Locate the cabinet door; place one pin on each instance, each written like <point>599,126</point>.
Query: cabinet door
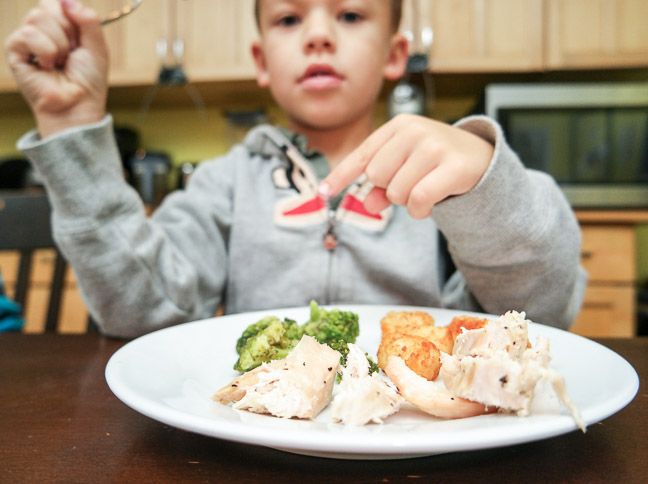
<point>132,41</point>
<point>482,35</point>
<point>596,33</point>
<point>217,35</point>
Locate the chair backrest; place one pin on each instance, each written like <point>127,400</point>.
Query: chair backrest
<point>25,227</point>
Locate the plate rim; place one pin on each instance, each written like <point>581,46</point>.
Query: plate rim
<point>366,445</point>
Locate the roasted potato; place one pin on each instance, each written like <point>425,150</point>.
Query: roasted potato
<point>420,355</point>
<point>468,322</point>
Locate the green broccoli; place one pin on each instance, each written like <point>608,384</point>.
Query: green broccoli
<point>272,339</point>
<point>329,326</point>
<point>266,340</point>
<point>373,366</point>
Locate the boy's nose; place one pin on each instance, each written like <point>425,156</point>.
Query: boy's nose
<point>319,44</point>
<point>319,34</point>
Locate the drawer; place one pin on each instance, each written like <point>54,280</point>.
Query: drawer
<point>608,253</point>
<point>608,311</point>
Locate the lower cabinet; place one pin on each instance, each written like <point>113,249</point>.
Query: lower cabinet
<point>608,311</point>
<point>608,255</point>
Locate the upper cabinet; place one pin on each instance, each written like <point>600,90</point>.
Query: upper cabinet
<point>211,38</point>
<point>480,35</point>
<point>218,35</point>
<point>132,42</point>
<point>528,35</point>
<point>596,33</point>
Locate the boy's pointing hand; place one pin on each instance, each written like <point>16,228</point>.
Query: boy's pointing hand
<point>415,162</point>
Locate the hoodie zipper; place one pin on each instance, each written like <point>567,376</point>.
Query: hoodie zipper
<point>329,239</point>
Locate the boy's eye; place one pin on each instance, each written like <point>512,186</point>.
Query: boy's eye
<point>350,17</point>
<point>288,20</point>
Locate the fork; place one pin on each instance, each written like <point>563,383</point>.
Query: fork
<point>122,12</point>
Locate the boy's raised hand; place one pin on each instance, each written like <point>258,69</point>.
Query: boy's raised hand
<point>415,162</point>
<point>60,61</point>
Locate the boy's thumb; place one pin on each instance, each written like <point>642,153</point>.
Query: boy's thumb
<point>88,23</point>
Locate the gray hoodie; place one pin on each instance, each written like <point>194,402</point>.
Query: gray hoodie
<point>249,233</point>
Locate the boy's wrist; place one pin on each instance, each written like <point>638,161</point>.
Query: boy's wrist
<point>51,124</point>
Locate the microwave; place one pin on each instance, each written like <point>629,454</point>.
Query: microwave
<point>591,137</point>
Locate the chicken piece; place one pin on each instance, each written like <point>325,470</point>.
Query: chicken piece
<point>493,366</point>
<point>507,333</point>
<point>362,398</point>
<point>420,355</point>
<point>299,386</point>
<point>430,396</point>
<point>235,390</point>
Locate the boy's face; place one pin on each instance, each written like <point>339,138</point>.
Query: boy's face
<point>324,60</point>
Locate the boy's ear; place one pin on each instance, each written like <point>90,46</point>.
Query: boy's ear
<point>397,60</point>
<point>262,75</point>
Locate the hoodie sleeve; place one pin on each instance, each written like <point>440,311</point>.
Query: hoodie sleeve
<point>136,274</point>
<point>514,240</point>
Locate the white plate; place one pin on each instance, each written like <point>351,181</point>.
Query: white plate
<point>171,374</point>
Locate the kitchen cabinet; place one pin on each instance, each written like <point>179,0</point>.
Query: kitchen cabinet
<point>596,33</point>
<point>73,313</point>
<point>481,35</point>
<point>132,42</point>
<point>468,36</point>
<point>532,35</point>
<point>608,254</point>
<point>216,34</point>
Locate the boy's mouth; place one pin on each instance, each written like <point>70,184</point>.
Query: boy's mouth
<point>320,76</point>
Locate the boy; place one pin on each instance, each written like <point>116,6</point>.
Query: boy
<point>255,229</point>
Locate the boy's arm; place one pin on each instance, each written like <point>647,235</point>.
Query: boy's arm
<point>135,275</point>
<point>514,239</point>
<point>511,232</point>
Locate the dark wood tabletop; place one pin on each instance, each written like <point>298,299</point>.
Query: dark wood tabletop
<point>59,422</point>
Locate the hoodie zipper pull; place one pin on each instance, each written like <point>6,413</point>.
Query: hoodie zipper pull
<point>330,238</point>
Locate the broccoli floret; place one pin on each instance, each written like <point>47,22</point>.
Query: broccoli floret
<point>266,340</point>
<point>340,346</point>
<point>373,366</point>
<point>334,325</point>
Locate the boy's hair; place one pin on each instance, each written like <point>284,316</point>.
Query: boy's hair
<point>396,12</point>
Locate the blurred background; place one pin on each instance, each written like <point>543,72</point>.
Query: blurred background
<point>183,90</point>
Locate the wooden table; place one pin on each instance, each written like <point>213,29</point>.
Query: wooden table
<point>60,422</point>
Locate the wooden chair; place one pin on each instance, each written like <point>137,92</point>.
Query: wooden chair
<point>25,227</point>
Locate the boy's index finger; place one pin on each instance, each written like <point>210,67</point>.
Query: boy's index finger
<point>354,165</point>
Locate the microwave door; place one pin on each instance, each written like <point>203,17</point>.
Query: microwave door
<point>541,140</point>
<point>590,147</point>
<point>629,140</point>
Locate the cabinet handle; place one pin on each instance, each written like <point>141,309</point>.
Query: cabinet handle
<point>586,254</point>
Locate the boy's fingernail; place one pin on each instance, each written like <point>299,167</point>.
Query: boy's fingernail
<point>324,191</point>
